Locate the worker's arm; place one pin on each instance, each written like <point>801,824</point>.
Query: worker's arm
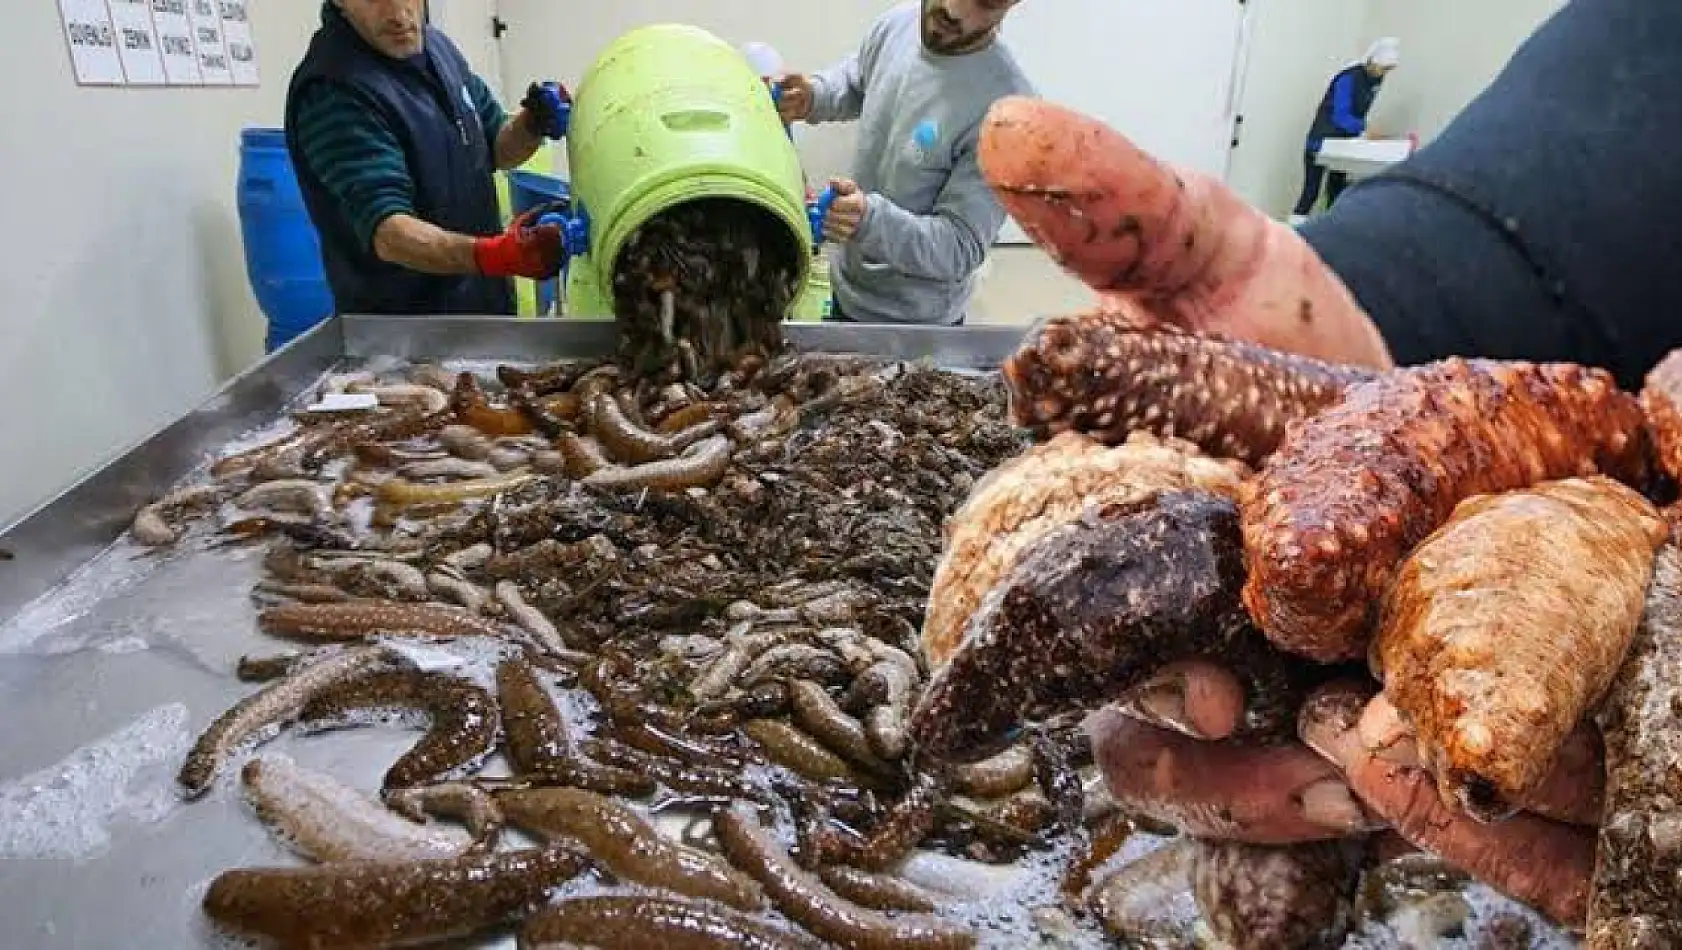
<point>1343,106</point>
<point>513,140</point>
<point>358,158</point>
<point>407,241</point>
<point>950,242</point>
<point>516,143</point>
<point>837,93</point>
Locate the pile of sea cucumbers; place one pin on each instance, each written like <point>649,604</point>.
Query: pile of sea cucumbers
<point>685,600</point>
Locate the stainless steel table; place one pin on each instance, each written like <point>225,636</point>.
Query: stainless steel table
<point>112,658</point>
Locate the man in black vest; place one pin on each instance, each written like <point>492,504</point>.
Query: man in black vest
<point>1343,115</point>
<point>395,142</point>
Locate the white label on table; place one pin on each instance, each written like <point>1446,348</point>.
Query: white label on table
<point>236,34</point>
<point>175,40</point>
<point>344,402</point>
<point>207,36</point>
<point>137,41</point>
<point>93,42</point>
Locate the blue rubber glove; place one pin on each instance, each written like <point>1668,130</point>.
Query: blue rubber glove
<point>548,108</point>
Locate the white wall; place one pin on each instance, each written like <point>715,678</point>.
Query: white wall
<point>1451,49</point>
<point>123,295</point>
<point>468,23</point>
<point>1295,48</point>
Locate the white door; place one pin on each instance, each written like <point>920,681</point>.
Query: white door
<point>1164,74</point>
<point>470,23</point>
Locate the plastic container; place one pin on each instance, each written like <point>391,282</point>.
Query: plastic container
<point>282,251</point>
<point>527,190</point>
<point>669,114</point>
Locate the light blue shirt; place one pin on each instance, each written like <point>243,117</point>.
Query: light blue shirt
<point>931,217</point>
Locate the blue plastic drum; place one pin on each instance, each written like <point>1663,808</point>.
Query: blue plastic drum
<point>282,252</point>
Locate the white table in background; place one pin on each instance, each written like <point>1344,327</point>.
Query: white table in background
<point>1362,158</point>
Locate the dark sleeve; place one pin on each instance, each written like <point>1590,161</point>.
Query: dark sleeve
<point>1542,223</point>
<point>356,156</point>
<point>1343,105</point>
<point>491,114</point>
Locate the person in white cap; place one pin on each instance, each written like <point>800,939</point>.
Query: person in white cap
<point>1343,115</point>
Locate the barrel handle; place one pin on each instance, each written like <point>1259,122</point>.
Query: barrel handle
<point>819,210</point>
<point>575,228</point>
<point>777,103</point>
<point>696,120</point>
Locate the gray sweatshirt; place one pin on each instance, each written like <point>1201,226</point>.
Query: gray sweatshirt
<point>931,217</point>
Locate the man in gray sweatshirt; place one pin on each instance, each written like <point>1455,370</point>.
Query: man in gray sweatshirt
<point>916,220</point>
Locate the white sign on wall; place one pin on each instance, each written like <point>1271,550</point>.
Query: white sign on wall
<point>93,42</point>
<point>161,42</point>
<point>175,39</point>
<point>207,35</point>
<point>242,48</point>
<point>137,42</point>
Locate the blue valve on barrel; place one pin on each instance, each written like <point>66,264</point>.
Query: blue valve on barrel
<point>817,210</point>
<point>574,222</point>
<point>777,103</point>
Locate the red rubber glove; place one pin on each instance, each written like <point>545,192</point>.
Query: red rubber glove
<point>526,249</point>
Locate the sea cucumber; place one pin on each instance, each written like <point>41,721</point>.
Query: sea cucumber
<point>329,821</point>
<point>372,904</point>
<point>629,846</point>
<point>1090,612</point>
<point>358,619</point>
<point>277,703</point>
<point>637,923</point>
<point>1351,491</point>
<point>807,901</point>
<point>464,719</point>
<point>699,466</point>
<point>1102,376</point>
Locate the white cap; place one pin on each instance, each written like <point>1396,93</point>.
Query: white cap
<point>1386,51</point>
<point>763,58</point>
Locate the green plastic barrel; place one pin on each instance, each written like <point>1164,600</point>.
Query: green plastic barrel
<point>668,114</point>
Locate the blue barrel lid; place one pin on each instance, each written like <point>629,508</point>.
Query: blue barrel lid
<point>263,138</point>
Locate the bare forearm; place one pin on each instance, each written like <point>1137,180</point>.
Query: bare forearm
<point>407,241</point>
<point>516,142</point>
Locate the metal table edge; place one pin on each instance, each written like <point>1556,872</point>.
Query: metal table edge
<point>45,545</point>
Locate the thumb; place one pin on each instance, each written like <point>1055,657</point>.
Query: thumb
<point>1174,241</point>
<point>843,186</point>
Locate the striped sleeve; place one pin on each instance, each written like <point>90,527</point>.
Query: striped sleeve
<point>356,156</point>
<point>491,114</point>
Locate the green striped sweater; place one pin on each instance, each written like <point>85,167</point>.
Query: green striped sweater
<point>358,158</point>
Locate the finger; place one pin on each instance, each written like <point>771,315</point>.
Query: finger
<point>1195,698</point>
<point>1275,795</point>
<point>1124,222</point>
<point>1543,863</point>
